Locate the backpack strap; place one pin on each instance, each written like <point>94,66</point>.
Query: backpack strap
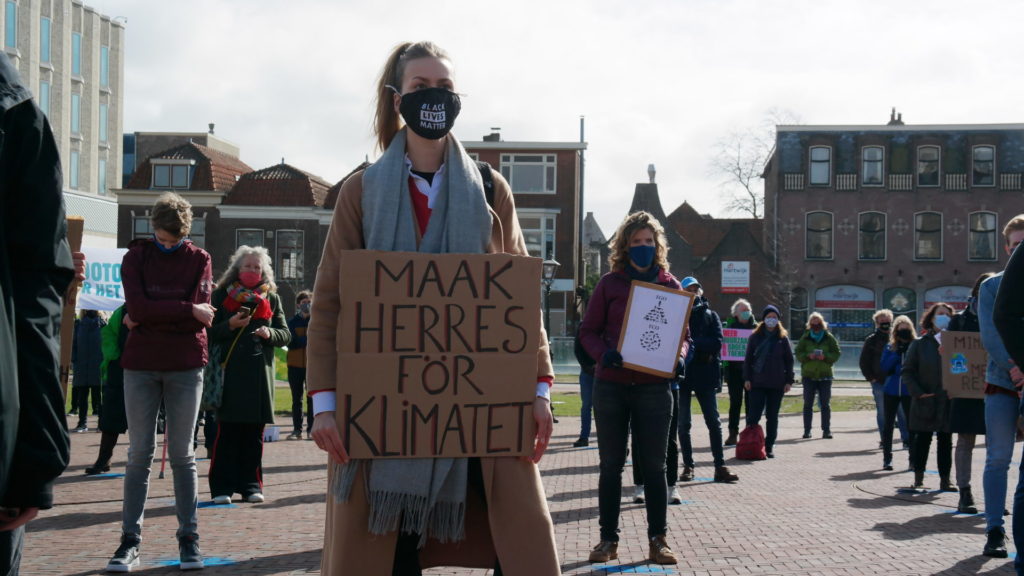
<point>488,178</point>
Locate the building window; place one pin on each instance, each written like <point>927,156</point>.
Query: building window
<point>73,171</point>
<point>44,97</point>
<point>981,239</point>
<point>11,25</point>
<point>819,235</point>
<point>529,173</point>
<point>984,161</point>
<point>102,175</point>
<point>873,168</point>
<point>103,123</point>
<point>928,166</point>
<point>797,312</point>
<point>289,254</point>
<point>248,237</point>
<point>539,232</point>
<point>198,232</point>
<point>104,66</point>
<point>44,40</point>
<point>928,236</point>
<point>170,175</point>
<point>76,54</point>
<point>143,228</point>
<point>821,165</point>
<point>76,113</point>
<point>872,236</point>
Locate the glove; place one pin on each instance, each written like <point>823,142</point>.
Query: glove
<point>680,370</point>
<point>611,359</point>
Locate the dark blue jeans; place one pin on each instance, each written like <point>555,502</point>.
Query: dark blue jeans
<point>11,544</point>
<point>709,407</point>
<point>297,382</point>
<point>649,406</point>
<point>587,397</point>
<point>765,401</point>
<point>823,388</point>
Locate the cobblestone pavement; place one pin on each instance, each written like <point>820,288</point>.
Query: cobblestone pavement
<point>820,507</point>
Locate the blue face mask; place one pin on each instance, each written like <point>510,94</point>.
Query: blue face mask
<point>167,250</point>
<point>817,335</point>
<point>941,322</point>
<point>642,256</point>
<point>745,316</point>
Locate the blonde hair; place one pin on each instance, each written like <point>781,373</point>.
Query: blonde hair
<point>619,245</point>
<point>901,319</point>
<point>266,266</point>
<point>386,121</point>
<point>172,214</point>
<point>880,313</point>
<point>817,315</point>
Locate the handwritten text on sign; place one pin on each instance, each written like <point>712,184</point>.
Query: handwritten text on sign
<point>963,364</point>
<point>438,354</point>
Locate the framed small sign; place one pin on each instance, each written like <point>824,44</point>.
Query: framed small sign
<point>655,322</point>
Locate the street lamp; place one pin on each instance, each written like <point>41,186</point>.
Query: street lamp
<point>547,277</point>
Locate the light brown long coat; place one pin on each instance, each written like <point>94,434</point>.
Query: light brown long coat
<point>515,524</point>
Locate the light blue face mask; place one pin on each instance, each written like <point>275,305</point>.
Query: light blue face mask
<point>941,322</point>
<point>745,315</point>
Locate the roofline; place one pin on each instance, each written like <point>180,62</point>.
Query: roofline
<point>195,134</point>
<point>482,145</point>
<point>896,128</point>
<point>198,198</point>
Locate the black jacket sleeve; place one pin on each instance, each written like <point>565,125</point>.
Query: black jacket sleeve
<point>36,264</point>
<point>1008,313</point>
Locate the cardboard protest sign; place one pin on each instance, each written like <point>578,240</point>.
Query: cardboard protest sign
<point>438,354</point>
<point>656,319</point>
<point>963,364</point>
<point>734,344</point>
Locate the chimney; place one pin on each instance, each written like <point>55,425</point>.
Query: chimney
<point>651,172</point>
<point>211,127</point>
<point>895,119</point>
<point>494,136</point>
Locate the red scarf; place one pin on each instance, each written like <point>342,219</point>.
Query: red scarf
<point>255,298</point>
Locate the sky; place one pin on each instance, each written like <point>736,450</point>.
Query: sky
<point>657,81</point>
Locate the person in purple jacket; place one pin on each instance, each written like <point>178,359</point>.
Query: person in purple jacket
<point>168,282</point>
<point>621,395</point>
<point>768,373</point>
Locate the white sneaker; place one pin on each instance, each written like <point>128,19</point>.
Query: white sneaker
<point>222,499</point>
<point>255,498</point>
<point>673,495</point>
<point>638,495</point>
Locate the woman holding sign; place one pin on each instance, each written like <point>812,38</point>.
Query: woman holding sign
<point>929,404</point>
<point>425,194</point>
<point>621,395</point>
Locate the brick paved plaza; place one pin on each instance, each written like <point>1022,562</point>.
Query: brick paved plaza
<point>820,507</point>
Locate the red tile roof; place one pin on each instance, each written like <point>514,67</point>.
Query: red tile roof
<point>279,185</point>
<point>703,232</point>
<point>213,170</point>
<point>333,191</point>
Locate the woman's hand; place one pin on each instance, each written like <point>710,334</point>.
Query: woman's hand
<point>746,385</point>
<point>926,396</point>
<point>787,388</point>
<point>545,424</point>
<point>127,321</point>
<point>203,313</point>
<point>11,518</point>
<point>262,332</point>
<point>325,434</point>
<point>241,319</point>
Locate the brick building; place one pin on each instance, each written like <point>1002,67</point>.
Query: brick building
<point>898,216</point>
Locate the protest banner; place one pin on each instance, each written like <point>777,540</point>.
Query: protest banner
<point>102,289</point>
<point>734,344</point>
<point>963,364</point>
<point>438,354</point>
<point>652,333</point>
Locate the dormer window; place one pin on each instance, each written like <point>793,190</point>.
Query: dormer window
<point>169,173</point>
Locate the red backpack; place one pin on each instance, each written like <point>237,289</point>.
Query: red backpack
<point>751,444</point>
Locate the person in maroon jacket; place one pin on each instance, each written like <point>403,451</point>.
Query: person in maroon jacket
<point>168,282</point>
<point>638,252</point>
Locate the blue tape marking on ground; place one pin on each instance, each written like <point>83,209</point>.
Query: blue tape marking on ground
<point>590,448</point>
<point>211,504</point>
<point>201,459</point>
<point>703,479</point>
<point>632,569</point>
<point>958,513</point>
<point>1013,555</point>
<point>109,475</point>
<point>207,562</point>
<point>931,472</point>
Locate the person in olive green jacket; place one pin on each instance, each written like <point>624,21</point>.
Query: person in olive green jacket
<point>817,351</point>
<point>248,325</point>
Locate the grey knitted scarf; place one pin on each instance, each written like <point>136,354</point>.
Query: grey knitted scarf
<point>422,495</point>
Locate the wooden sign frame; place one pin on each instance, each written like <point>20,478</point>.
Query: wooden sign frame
<point>658,325</point>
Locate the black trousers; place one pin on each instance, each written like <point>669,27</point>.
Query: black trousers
<point>297,382</point>
<point>407,555</point>
<point>737,394</point>
<point>671,453</point>
<point>922,443</point>
<point>237,463</point>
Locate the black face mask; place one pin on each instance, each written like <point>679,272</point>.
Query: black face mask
<point>430,112</point>
<point>884,326</point>
<point>905,334</point>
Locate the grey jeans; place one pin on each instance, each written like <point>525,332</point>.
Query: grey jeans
<point>11,544</point>
<point>180,393</point>
<point>962,458</point>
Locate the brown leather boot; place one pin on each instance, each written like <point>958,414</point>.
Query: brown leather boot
<point>605,551</point>
<point>731,440</point>
<point>723,474</point>
<point>660,552</point>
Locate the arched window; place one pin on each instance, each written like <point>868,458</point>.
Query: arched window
<point>928,236</point>
<point>821,165</point>
<point>872,165</point>
<point>984,166</point>
<point>871,236</point>
<point>981,236</point>
<point>928,166</point>
<point>819,236</point>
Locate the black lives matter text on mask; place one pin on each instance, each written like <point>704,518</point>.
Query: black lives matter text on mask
<point>438,354</point>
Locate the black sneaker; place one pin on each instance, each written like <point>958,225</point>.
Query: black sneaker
<point>995,546</point>
<point>189,553</point>
<point>127,555</point>
<point>581,442</point>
